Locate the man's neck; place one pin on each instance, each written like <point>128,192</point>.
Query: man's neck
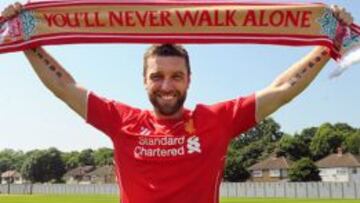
<point>175,116</point>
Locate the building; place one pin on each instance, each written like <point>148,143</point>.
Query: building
<point>340,167</point>
<point>103,175</point>
<point>12,177</point>
<point>79,175</point>
<point>270,170</point>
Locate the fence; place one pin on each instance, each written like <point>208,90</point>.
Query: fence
<point>59,189</point>
<point>314,190</point>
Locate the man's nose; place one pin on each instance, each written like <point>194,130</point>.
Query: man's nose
<point>167,85</point>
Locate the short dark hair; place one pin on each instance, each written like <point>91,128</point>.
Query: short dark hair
<point>166,50</point>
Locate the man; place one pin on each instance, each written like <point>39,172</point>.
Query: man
<point>173,154</point>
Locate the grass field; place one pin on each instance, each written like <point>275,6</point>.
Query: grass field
<point>114,199</point>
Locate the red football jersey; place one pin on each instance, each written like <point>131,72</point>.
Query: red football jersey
<point>171,161</point>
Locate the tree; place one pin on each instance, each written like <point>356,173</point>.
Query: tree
<point>304,170</point>
<point>293,148</point>
<point>43,166</point>
<point>71,160</point>
<point>268,130</point>
<point>5,164</point>
<point>238,160</point>
<point>86,157</point>
<point>307,135</point>
<point>352,143</point>
<point>344,128</point>
<point>56,164</point>
<point>10,160</point>
<point>32,169</point>
<point>249,147</point>
<point>327,139</point>
<point>235,170</point>
<point>104,156</point>
<point>250,154</point>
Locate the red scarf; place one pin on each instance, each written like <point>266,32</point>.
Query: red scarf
<point>171,21</point>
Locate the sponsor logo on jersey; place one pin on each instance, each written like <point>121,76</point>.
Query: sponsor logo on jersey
<point>193,145</point>
<point>169,146</point>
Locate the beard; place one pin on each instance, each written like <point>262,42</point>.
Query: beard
<point>167,108</point>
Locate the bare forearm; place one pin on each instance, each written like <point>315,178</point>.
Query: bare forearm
<point>290,83</point>
<point>58,80</point>
<point>50,72</point>
<point>293,81</point>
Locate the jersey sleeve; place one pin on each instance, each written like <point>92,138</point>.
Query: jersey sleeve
<point>106,115</point>
<point>238,114</point>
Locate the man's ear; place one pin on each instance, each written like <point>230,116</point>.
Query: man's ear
<point>145,81</point>
<point>189,78</point>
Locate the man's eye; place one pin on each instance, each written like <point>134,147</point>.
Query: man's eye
<point>155,77</point>
<point>178,77</point>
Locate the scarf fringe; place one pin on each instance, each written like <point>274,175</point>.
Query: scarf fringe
<point>351,57</point>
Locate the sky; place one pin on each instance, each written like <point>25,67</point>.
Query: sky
<point>32,118</point>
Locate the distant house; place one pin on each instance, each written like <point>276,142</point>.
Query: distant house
<point>103,175</point>
<point>340,167</point>
<point>79,175</point>
<point>270,170</point>
<point>12,177</point>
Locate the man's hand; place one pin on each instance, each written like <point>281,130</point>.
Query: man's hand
<point>51,73</point>
<point>342,15</point>
<point>345,19</point>
<point>299,76</point>
<point>12,10</point>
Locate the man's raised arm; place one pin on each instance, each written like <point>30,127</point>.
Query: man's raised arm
<point>295,80</point>
<point>58,80</point>
<point>290,83</point>
<point>52,74</point>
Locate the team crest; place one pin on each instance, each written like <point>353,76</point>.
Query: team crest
<point>189,127</point>
<point>328,24</point>
<point>21,27</point>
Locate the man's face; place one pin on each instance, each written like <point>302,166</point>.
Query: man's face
<point>166,82</point>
